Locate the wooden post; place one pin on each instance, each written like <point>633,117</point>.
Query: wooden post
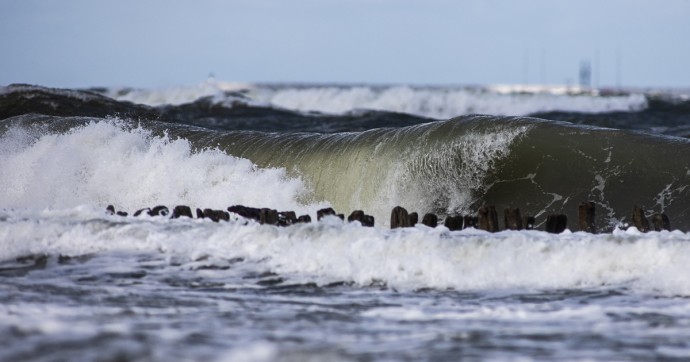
<point>324,212</point>
<point>661,222</point>
<point>286,218</point>
<point>586,214</point>
<point>246,212</point>
<point>639,220</point>
<point>453,222</point>
<point>181,210</point>
<point>469,221</point>
<point>159,210</point>
<point>304,219</point>
<point>488,219</point>
<point>364,219</point>
<point>399,218</point>
<point>368,220</point>
<point>414,218</point>
<point>512,218</point>
<point>268,216</point>
<point>216,215</point>
<point>528,222</point>
<point>356,215</point>
<point>556,223</point>
<point>430,220</point>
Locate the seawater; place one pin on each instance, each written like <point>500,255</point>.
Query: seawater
<point>77,283</point>
<point>102,287</point>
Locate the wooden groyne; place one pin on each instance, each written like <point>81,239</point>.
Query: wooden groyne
<point>486,218</point>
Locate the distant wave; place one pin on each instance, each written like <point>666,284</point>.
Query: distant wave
<point>223,106</point>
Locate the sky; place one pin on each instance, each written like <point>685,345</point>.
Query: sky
<point>159,43</point>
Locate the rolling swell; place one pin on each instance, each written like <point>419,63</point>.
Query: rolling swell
<point>455,166</point>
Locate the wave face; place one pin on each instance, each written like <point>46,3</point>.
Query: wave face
<point>443,167</point>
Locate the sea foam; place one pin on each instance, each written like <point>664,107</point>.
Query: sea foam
<point>108,162</point>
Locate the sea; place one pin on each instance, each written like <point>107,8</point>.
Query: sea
<point>79,282</point>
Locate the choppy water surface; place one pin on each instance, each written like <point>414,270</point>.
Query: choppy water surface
<point>77,283</point>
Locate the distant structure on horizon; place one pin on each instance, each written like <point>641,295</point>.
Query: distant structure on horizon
<point>585,74</point>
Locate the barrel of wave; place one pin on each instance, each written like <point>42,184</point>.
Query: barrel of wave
<point>436,167</point>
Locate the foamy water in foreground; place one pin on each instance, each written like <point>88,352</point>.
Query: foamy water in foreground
<point>150,288</point>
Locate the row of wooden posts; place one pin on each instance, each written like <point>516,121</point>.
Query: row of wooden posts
<point>485,219</point>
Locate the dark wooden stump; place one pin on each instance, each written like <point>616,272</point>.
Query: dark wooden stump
<point>121,213</point>
<point>453,222</point>
<point>215,215</point>
<point>160,211</point>
<point>556,223</point>
<point>320,214</point>
<point>470,221</point>
<point>199,213</point>
<point>110,210</point>
<point>414,218</point>
<point>268,216</point>
<point>528,222</point>
<point>639,220</point>
<point>286,218</point>
<point>399,218</point>
<point>245,212</point>
<point>181,210</point>
<point>304,219</point>
<point>356,215</point>
<point>488,218</point>
<point>586,216</point>
<point>512,218</point>
<point>661,222</point>
<point>430,220</point>
<point>368,220</point>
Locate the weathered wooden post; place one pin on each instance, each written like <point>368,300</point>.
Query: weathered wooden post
<point>430,220</point>
<point>639,220</point>
<point>286,218</point>
<point>181,210</point>
<point>356,215</point>
<point>159,210</point>
<point>304,219</point>
<point>399,218</point>
<point>556,223</point>
<point>414,218</point>
<point>512,218</point>
<point>364,219</point>
<point>215,215</point>
<point>246,212</point>
<point>469,221</point>
<point>368,220</point>
<point>453,222</point>
<point>661,222</point>
<point>528,222</point>
<point>268,216</point>
<point>324,212</point>
<point>488,218</point>
<point>586,216</point>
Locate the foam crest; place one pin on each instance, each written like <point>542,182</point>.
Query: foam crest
<point>177,95</point>
<point>110,163</point>
<point>432,102</point>
<point>442,103</point>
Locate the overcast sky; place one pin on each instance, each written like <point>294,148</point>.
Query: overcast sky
<point>154,43</point>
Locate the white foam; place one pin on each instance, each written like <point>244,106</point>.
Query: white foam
<point>432,102</point>
<point>406,259</point>
<point>105,163</point>
<point>178,94</point>
<point>440,102</point>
